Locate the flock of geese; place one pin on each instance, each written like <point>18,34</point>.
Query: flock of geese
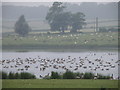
<point>68,63</point>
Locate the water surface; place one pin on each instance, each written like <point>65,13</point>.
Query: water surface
<point>42,63</point>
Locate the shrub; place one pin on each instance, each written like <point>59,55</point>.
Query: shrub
<point>68,75</point>
<point>17,76</point>
<point>11,75</point>
<point>22,75</point>
<point>88,76</point>
<point>103,77</point>
<point>25,75</point>
<point>79,75</point>
<point>113,29</point>
<point>48,33</point>
<point>55,75</point>
<point>0,75</point>
<point>4,75</point>
<point>102,29</point>
<point>47,77</point>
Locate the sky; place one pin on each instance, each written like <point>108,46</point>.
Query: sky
<point>60,0</point>
<point>28,3</point>
<point>43,2</point>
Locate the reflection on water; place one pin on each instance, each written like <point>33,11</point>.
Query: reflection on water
<point>42,63</point>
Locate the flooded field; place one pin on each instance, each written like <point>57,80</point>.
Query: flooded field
<point>42,63</point>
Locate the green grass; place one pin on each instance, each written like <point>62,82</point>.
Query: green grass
<point>62,41</point>
<point>71,83</point>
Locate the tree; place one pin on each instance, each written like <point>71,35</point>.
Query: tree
<point>77,21</point>
<point>55,16</point>
<point>21,26</point>
<point>88,76</point>
<point>4,75</point>
<point>68,75</point>
<point>17,76</point>
<point>54,11</point>
<point>60,20</point>
<point>26,75</point>
<point>11,75</point>
<point>55,75</point>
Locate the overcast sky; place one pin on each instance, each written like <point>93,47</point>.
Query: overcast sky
<point>49,2</point>
<point>60,0</point>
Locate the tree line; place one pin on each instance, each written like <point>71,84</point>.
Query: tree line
<point>71,75</point>
<point>22,75</point>
<point>54,75</point>
<point>57,18</point>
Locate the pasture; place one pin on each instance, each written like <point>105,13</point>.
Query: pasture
<point>53,83</point>
<point>62,41</point>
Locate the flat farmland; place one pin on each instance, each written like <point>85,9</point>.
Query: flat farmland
<point>62,40</point>
<point>57,83</point>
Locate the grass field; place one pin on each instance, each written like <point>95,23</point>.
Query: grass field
<point>62,41</point>
<point>71,83</point>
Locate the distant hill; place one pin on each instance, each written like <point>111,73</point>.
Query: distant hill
<point>90,9</point>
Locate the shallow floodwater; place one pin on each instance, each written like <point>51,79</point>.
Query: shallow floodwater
<point>42,63</point>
